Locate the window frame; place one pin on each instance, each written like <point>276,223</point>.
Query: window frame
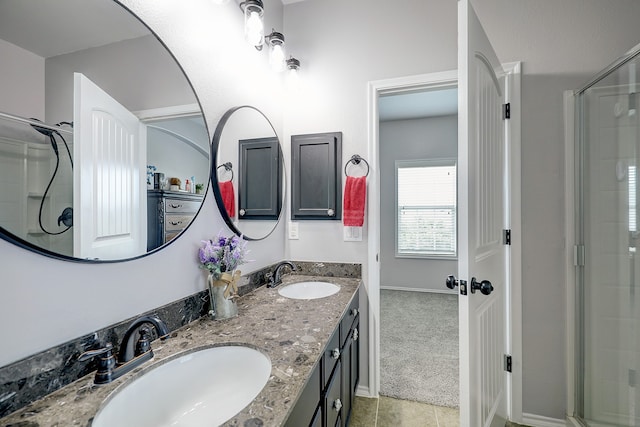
<point>432,162</point>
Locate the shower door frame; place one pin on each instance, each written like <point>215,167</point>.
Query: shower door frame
<point>574,254</point>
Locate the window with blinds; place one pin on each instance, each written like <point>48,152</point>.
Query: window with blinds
<point>426,224</point>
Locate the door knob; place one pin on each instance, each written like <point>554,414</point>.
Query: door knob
<point>451,281</point>
<point>485,286</point>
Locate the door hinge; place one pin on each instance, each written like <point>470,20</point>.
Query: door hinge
<point>506,111</point>
<point>578,256</point>
<point>507,362</point>
<point>506,237</point>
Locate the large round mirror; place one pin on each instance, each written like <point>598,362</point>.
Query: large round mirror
<point>248,172</point>
<point>104,153</point>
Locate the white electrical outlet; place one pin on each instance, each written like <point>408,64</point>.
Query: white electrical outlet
<point>352,234</point>
<point>293,230</point>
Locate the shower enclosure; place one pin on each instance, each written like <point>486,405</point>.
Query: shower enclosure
<point>607,363</point>
<point>36,176</point>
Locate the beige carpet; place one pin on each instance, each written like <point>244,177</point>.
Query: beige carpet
<point>419,347</point>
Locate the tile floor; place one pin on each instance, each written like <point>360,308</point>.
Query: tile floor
<point>389,412</point>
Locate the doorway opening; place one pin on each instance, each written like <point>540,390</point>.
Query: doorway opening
<point>418,139</point>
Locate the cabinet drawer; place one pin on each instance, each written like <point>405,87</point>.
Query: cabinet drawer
<point>331,357</point>
<point>181,206</point>
<point>349,317</point>
<point>170,235</point>
<point>176,222</point>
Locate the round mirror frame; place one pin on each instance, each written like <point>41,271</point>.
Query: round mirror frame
<point>214,176</point>
<point>18,241</point>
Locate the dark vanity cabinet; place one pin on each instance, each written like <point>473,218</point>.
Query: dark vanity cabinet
<point>260,184</point>
<point>328,395</point>
<point>168,213</point>
<point>316,183</point>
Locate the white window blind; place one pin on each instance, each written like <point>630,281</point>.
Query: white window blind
<point>426,208</point>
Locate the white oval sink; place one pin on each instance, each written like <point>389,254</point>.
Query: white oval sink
<point>308,290</point>
<point>206,387</point>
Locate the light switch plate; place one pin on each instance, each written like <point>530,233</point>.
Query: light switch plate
<point>352,234</point>
<point>293,230</point>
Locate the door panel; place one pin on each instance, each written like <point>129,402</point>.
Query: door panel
<point>109,178</point>
<point>482,203</point>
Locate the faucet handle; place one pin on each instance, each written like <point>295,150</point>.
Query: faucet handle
<point>90,354</point>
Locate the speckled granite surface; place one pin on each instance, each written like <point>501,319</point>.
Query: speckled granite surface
<point>292,333</point>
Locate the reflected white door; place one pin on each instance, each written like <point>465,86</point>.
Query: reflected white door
<point>109,194</point>
<point>482,217</point>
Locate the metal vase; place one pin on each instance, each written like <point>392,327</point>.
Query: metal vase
<point>222,294</point>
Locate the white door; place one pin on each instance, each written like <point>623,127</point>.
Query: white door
<point>109,195</point>
<point>482,218</point>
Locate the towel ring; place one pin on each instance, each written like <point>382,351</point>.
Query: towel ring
<point>356,159</point>
<point>227,167</point>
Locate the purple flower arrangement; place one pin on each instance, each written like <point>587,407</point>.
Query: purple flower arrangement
<point>222,254</point>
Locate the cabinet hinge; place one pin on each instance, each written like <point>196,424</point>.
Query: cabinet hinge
<point>507,362</point>
<point>506,111</point>
<point>578,256</point>
<point>506,237</point>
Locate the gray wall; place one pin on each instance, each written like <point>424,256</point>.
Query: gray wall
<point>417,139</point>
<point>27,97</point>
<point>343,45</point>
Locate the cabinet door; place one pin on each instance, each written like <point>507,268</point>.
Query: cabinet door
<point>332,400</point>
<point>316,182</point>
<point>305,409</point>
<point>260,181</point>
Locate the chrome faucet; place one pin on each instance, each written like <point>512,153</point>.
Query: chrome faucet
<point>109,368</point>
<point>275,279</point>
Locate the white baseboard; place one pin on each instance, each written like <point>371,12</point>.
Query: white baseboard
<point>404,288</point>
<point>364,391</point>
<point>540,421</point>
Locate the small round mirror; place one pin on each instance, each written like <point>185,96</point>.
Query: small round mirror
<point>248,172</point>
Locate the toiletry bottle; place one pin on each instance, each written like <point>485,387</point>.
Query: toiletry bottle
<point>187,186</point>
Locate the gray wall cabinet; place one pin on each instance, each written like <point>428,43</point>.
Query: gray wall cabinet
<point>328,396</point>
<point>316,182</point>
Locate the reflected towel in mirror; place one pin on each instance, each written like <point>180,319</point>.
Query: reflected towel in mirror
<point>228,197</point>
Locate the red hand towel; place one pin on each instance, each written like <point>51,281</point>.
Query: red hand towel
<point>355,191</point>
<point>228,197</point>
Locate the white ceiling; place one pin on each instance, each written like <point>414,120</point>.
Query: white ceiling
<point>415,105</point>
<point>23,23</point>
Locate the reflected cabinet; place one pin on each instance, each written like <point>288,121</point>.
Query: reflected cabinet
<point>168,213</point>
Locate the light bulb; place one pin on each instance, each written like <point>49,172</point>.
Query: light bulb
<point>254,29</point>
<point>277,57</point>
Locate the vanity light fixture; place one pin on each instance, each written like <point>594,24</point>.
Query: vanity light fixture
<point>277,57</point>
<point>253,24</point>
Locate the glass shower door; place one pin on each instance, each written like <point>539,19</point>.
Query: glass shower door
<point>608,365</point>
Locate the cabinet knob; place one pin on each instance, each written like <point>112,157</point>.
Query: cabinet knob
<point>331,212</point>
<point>175,222</point>
<point>355,334</point>
<point>337,405</point>
<point>175,206</point>
<point>242,212</point>
<point>335,353</point>
<point>354,312</point>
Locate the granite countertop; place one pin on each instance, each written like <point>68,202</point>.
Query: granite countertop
<point>293,333</point>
